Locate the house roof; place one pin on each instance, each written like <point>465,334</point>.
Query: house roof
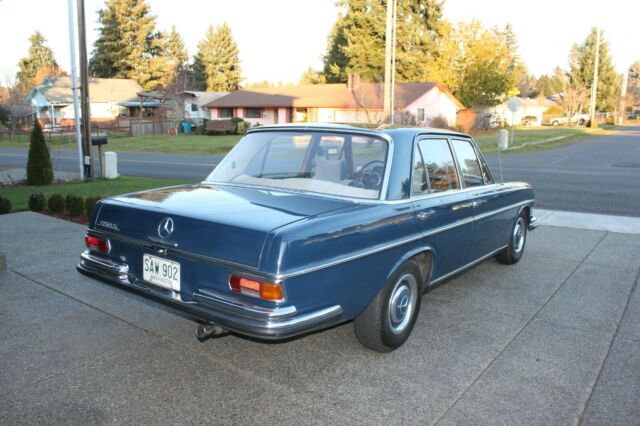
<point>370,95</point>
<point>58,90</point>
<point>204,97</point>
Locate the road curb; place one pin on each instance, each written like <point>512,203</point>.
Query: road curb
<point>589,221</point>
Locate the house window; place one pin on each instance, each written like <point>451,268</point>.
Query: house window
<point>225,112</point>
<point>253,112</point>
<point>420,115</point>
<point>194,107</point>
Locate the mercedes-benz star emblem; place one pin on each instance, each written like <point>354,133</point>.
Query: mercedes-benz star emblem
<point>165,229</point>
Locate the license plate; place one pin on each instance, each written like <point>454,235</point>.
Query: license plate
<point>161,272</point>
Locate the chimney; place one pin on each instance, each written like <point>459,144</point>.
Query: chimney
<point>353,82</point>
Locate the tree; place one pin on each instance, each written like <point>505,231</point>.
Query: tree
<point>357,40</point>
<point>311,76</point>
<point>217,63</point>
<point>39,62</point>
<point>582,64</point>
<point>39,170</point>
<point>633,85</point>
<point>528,86</point>
<point>128,45</point>
<point>479,66</point>
<point>176,62</point>
<point>572,95</point>
<point>549,84</point>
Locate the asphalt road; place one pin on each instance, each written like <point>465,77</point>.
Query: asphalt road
<point>598,175</point>
<point>554,339</point>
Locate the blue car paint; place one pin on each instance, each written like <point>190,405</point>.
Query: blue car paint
<point>326,251</point>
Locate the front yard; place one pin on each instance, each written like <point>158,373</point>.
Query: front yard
<point>19,194</point>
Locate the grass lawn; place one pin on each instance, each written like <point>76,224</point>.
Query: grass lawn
<point>176,144</point>
<point>535,138</point>
<point>19,195</point>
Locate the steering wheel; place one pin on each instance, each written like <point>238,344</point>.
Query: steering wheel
<point>370,179</point>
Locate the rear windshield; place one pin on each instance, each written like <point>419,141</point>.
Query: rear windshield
<point>326,163</point>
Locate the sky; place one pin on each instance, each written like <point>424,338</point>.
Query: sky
<point>279,39</point>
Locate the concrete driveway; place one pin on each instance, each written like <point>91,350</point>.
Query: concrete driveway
<point>554,339</point>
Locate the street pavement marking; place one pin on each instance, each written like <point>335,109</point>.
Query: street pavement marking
<point>589,221</point>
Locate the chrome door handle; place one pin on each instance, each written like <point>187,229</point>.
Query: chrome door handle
<point>425,215</point>
<point>462,206</point>
<point>478,203</point>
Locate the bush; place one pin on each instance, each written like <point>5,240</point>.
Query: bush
<point>74,204</point>
<point>37,202</point>
<point>56,203</point>
<point>237,120</point>
<point>90,204</point>
<point>5,205</point>
<point>221,127</point>
<point>611,120</point>
<point>39,170</point>
<point>529,120</point>
<point>243,126</point>
<point>438,122</point>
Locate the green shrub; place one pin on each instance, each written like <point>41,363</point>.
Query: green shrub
<point>39,170</point>
<point>236,120</point>
<point>74,204</point>
<point>37,202</point>
<point>243,126</point>
<point>55,204</point>
<point>5,205</point>
<point>90,204</point>
<point>221,127</point>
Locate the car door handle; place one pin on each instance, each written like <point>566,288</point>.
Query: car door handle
<point>478,203</point>
<point>425,215</point>
<point>461,206</point>
<point>163,243</point>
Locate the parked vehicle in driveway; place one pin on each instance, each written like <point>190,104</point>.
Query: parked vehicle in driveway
<point>563,119</point>
<point>303,227</point>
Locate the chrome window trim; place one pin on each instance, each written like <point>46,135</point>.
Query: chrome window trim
<point>473,146</point>
<point>383,247</point>
<point>319,129</point>
<point>453,157</point>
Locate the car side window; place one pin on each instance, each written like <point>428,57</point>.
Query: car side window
<point>468,163</point>
<point>419,180</point>
<point>439,164</point>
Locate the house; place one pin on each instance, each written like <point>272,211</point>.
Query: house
<point>52,101</point>
<point>194,104</point>
<point>532,108</point>
<point>353,102</point>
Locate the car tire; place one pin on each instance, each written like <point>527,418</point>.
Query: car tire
<point>388,320</point>
<point>517,241</point>
<point>555,123</point>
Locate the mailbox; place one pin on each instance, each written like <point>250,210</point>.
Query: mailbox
<point>102,140</point>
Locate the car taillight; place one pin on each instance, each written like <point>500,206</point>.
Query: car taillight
<point>254,288</point>
<point>100,245</point>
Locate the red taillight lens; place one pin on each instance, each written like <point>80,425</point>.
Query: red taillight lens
<point>254,288</point>
<point>97,244</point>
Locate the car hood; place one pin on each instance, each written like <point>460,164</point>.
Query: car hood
<point>225,222</point>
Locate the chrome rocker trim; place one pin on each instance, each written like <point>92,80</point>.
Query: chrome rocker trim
<point>227,312</point>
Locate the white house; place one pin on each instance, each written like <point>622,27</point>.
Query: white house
<point>52,101</point>
<point>194,102</point>
<point>528,108</point>
<point>353,102</point>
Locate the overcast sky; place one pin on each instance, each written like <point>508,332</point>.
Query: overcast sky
<point>279,39</point>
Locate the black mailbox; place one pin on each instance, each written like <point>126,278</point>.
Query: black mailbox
<point>99,141</point>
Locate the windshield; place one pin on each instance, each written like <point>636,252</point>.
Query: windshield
<point>326,163</point>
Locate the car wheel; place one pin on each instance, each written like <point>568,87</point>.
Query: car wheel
<point>513,252</point>
<point>388,320</point>
<point>555,123</point>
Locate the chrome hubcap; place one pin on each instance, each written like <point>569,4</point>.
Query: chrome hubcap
<point>402,303</point>
<point>519,232</point>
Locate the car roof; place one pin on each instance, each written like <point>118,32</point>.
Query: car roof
<point>390,130</point>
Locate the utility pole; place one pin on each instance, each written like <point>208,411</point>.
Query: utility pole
<point>84,99</point>
<point>393,62</point>
<point>623,95</point>
<point>387,63</point>
<point>74,85</point>
<point>594,85</point>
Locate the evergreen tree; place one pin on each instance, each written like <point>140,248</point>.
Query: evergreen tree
<point>39,61</point>
<point>582,64</point>
<point>311,76</point>
<point>357,40</point>
<point>217,63</point>
<point>176,66</point>
<point>549,84</point>
<point>39,170</point>
<point>129,46</point>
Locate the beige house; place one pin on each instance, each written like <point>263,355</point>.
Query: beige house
<point>354,102</point>
<point>532,108</point>
<point>52,101</point>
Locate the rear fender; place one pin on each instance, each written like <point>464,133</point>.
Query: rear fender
<point>412,253</point>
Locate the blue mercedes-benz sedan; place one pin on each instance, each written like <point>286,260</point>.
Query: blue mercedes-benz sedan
<point>302,227</point>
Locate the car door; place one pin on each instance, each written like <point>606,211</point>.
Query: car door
<point>444,211</point>
<point>485,197</point>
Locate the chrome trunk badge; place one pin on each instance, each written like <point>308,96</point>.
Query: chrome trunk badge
<point>165,229</point>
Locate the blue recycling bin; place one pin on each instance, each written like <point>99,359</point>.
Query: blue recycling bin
<point>186,127</point>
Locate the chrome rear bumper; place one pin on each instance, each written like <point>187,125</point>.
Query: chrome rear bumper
<point>533,223</point>
<point>228,312</point>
